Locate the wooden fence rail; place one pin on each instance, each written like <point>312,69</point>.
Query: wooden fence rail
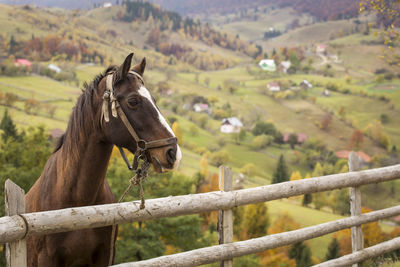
<point>227,251</point>
<point>367,253</point>
<point>13,228</point>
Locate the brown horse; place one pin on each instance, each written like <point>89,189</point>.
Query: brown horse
<point>75,173</point>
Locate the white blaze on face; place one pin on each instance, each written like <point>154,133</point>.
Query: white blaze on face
<point>145,93</point>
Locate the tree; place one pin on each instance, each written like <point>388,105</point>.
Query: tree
<point>8,127</point>
<point>259,227</point>
<point>339,201</point>
<point>326,121</point>
<point>31,105</point>
<point>356,140</point>
<point>248,169</point>
<point>231,86</point>
<point>262,141</point>
<point>10,99</point>
<point>242,135</point>
<point>50,109</point>
<point>301,253</point>
<point>319,199</point>
<point>281,173</point>
<point>220,158</point>
<point>12,45</point>
<point>387,15</point>
<point>292,140</point>
<point>372,232</point>
<point>264,128</point>
<point>178,132</point>
<point>307,198</point>
<point>376,132</point>
<point>295,176</point>
<point>204,165</point>
<point>333,250</point>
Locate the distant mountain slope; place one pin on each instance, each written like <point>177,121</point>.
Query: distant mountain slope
<point>190,7</point>
<point>321,9</point>
<point>68,4</point>
<point>324,9</point>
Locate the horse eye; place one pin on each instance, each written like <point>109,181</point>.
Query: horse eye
<point>133,102</point>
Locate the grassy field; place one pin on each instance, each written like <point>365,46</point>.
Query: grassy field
<point>309,217</point>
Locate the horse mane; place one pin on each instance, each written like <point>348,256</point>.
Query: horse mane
<point>82,120</point>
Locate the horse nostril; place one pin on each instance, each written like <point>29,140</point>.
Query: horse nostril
<point>171,156</point>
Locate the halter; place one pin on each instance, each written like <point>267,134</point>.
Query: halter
<point>142,146</point>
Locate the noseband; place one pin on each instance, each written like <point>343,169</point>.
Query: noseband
<point>142,146</point>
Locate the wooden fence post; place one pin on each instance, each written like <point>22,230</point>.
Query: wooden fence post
<point>225,219</point>
<point>14,198</point>
<point>357,239</point>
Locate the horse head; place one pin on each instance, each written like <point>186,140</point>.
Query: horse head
<point>133,120</point>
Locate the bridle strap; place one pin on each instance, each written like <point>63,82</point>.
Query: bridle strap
<point>137,75</point>
<point>116,110</point>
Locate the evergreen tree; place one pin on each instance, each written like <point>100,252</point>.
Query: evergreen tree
<point>301,254</point>
<point>13,43</point>
<point>8,127</point>
<point>307,199</point>
<point>281,173</point>
<point>333,250</point>
<point>293,140</point>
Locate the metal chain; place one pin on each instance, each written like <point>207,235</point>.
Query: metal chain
<point>140,176</point>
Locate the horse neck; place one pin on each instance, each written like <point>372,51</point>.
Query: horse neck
<point>82,177</point>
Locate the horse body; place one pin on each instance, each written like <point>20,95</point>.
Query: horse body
<point>75,173</point>
<point>79,183</point>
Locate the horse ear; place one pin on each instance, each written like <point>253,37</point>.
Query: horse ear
<point>123,70</point>
<point>139,68</point>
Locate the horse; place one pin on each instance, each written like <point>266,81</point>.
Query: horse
<point>74,175</point>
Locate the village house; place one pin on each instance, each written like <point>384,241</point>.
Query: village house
<point>21,62</point>
<point>274,87</point>
<point>200,107</point>
<point>231,125</point>
<point>306,85</point>
<point>326,93</point>
<point>363,157</point>
<point>54,68</point>
<point>321,49</point>
<point>285,65</point>
<point>268,65</point>
<point>107,4</point>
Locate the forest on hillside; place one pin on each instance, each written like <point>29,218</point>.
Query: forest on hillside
<point>321,9</point>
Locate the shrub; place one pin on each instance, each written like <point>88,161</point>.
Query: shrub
<point>384,118</point>
<point>219,158</point>
<point>264,128</point>
<point>262,141</point>
<point>248,169</point>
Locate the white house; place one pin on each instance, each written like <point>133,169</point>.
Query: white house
<point>231,125</point>
<point>268,65</point>
<point>107,4</point>
<point>321,48</point>
<point>54,68</point>
<point>200,107</point>
<point>286,65</point>
<point>306,85</point>
<point>274,87</point>
<point>326,93</point>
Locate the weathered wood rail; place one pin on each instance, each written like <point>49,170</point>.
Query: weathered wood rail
<point>16,227</point>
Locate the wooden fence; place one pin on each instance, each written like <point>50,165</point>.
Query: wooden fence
<point>17,226</point>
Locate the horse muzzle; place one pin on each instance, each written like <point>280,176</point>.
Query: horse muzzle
<point>168,160</point>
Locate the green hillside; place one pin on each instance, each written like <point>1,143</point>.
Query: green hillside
<point>350,90</point>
